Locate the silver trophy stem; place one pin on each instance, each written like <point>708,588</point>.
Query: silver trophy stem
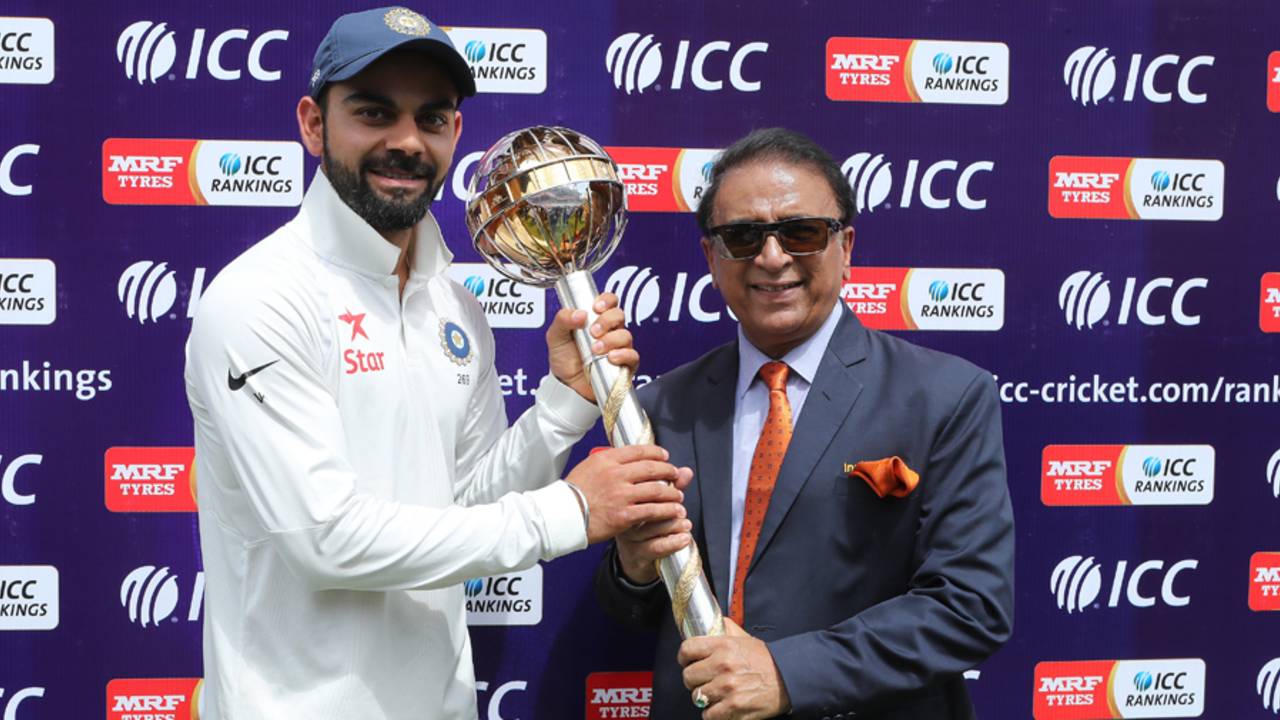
<point>692,602</point>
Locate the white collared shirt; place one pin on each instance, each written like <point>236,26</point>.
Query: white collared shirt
<point>752,407</point>
<point>355,466</point>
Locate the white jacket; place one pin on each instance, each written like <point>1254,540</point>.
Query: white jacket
<point>355,466</point>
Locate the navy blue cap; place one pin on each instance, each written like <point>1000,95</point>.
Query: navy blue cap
<point>357,39</point>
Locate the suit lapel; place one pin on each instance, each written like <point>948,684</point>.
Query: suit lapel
<point>713,407</point>
<point>834,392</point>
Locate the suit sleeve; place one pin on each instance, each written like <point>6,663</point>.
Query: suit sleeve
<point>637,607</point>
<point>959,605</point>
<point>282,437</point>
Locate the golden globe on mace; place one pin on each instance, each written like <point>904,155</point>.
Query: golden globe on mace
<point>546,208</point>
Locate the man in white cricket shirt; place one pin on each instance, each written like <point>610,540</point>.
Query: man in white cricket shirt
<point>355,460</point>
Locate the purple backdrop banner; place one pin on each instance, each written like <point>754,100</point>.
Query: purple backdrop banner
<point>1080,197</point>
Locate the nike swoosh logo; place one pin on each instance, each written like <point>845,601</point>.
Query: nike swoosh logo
<point>235,382</point>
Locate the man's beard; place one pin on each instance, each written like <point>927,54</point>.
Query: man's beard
<point>383,215</point>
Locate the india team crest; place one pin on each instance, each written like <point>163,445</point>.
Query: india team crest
<point>407,22</point>
<point>456,343</point>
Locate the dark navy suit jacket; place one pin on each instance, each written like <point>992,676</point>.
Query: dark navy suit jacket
<point>872,607</point>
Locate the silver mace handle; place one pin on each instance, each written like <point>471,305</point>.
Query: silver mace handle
<point>625,422</point>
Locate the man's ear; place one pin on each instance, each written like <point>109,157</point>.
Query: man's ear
<point>457,127</point>
<point>311,125</point>
<point>846,242</point>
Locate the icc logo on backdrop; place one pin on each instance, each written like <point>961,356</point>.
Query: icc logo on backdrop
<point>872,179</point>
<point>148,50</point>
<point>10,492</point>
<point>150,595</point>
<point>1090,74</point>
<point>1077,581</point>
<point>12,700</point>
<point>640,293</point>
<point>148,291</point>
<point>1085,299</point>
<point>636,62</point>
<point>16,183</point>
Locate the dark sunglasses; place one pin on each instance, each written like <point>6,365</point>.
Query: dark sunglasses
<point>797,236</point>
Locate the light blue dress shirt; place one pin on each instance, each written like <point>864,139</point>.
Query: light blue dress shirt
<point>752,407</point>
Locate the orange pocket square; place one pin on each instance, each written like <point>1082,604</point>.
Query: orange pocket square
<point>889,476</point>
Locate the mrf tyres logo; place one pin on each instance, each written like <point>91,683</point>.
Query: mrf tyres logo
<point>873,180</point>
<point>149,50</point>
<point>1090,75</point>
<point>26,51</point>
<point>1264,581</point>
<point>155,699</point>
<point>1269,303</point>
<point>928,71</point>
<point>637,62</point>
<point>151,595</point>
<point>1273,82</point>
<point>1075,475</point>
<point>506,303</point>
<point>886,298</point>
<point>28,292</point>
<point>613,695</point>
<point>1094,689</point>
<point>201,172</point>
<point>660,179</point>
<point>28,597</point>
<point>1123,188</point>
<point>1077,583</point>
<point>510,599</point>
<point>1086,301</point>
<point>504,60</point>
<point>149,479</point>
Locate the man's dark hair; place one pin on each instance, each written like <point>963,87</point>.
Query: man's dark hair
<point>780,145</point>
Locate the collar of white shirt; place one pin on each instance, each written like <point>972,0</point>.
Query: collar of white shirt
<point>803,358</point>
<point>342,237</point>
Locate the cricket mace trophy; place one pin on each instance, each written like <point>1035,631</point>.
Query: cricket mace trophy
<point>546,208</point>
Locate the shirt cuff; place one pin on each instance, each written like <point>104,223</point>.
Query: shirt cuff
<point>562,528</point>
<point>565,406</point>
<point>627,584</point>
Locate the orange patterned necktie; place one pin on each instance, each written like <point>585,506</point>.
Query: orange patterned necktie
<point>772,446</point>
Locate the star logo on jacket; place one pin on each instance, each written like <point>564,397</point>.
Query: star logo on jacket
<point>456,344</point>
<point>356,322</point>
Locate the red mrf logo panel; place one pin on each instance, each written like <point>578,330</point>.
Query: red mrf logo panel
<point>1101,689</point>
<point>1121,188</point>
<point>928,71</point>
<point>150,479</point>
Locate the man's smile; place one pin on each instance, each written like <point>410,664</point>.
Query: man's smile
<point>392,179</point>
<point>776,287</point>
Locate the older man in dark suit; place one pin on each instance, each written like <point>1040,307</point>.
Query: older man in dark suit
<point>849,495</point>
